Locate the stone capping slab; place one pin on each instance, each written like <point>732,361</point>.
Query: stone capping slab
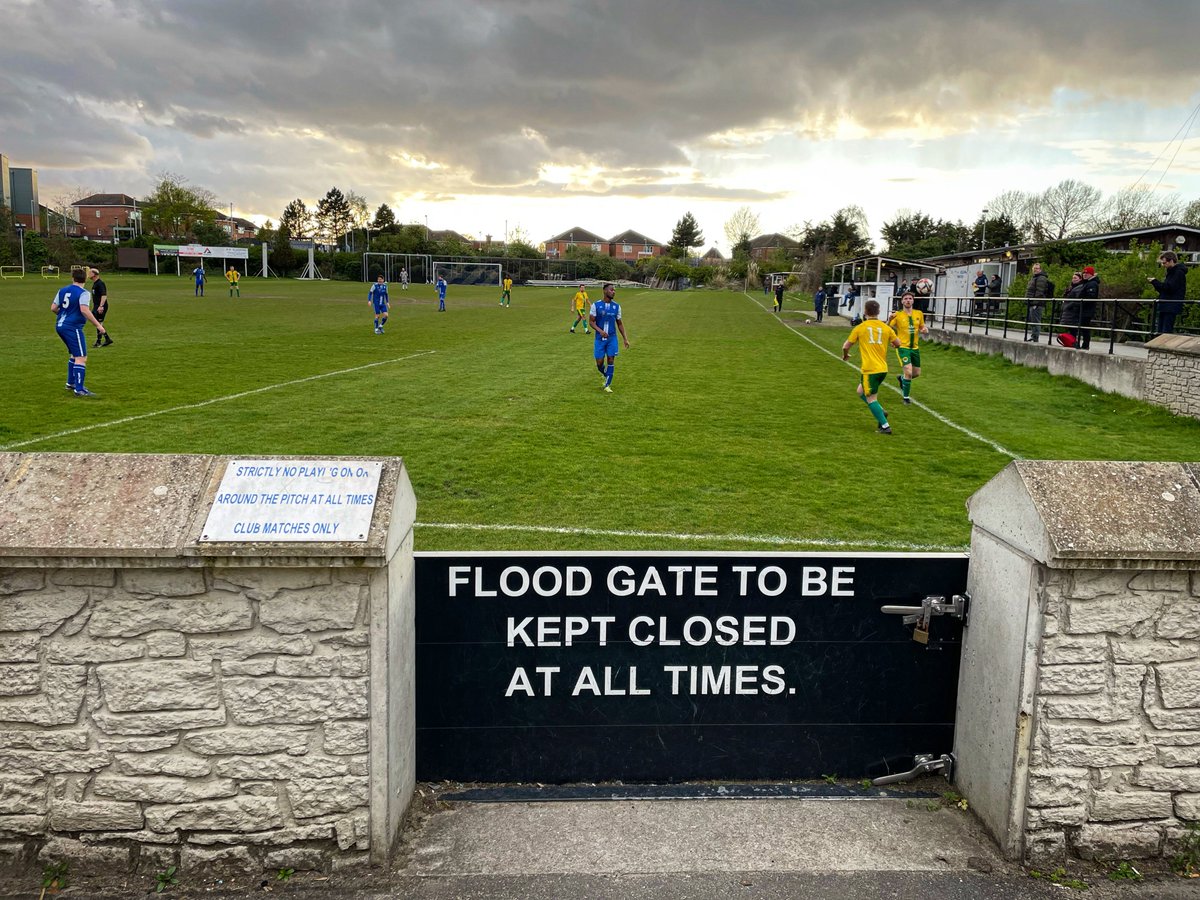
<point>1183,344</point>
<point>138,510</point>
<point>1119,514</point>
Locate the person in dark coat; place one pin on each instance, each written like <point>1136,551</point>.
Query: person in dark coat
<point>1089,296</point>
<point>819,303</point>
<point>1036,294</point>
<point>1171,290</point>
<point>1070,309</point>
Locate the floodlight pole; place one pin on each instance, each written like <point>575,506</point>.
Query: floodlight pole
<point>983,234</point>
<point>20,226</point>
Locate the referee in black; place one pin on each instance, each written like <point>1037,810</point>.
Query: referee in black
<point>100,306</point>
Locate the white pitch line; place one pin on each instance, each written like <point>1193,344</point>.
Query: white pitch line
<point>203,403</point>
<point>999,448</point>
<point>774,540</point>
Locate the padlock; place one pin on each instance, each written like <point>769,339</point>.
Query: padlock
<point>921,634</point>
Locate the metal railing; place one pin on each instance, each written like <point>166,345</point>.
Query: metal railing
<point>1115,321</point>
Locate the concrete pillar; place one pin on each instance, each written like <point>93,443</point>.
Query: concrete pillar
<point>166,700</point>
<point>1078,727</point>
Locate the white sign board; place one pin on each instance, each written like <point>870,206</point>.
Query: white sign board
<point>294,500</point>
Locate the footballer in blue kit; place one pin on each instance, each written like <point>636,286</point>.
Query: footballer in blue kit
<point>441,289</point>
<point>605,320</point>
<point>73,307</point>
<point>378,298</point>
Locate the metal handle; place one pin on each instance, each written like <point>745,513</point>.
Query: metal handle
<point>923,764</point>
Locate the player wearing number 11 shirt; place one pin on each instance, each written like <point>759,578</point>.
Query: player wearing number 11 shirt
<point>873,338</point>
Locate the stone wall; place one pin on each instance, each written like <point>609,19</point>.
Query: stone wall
<point>213,713</point>
<point>1173,373</point>
<point>228,706</point>
<point>1078,727</point>
<point>1115,762</point>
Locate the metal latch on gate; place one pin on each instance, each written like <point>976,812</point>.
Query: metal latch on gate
<point>920,616</point>
<point>923,764</point>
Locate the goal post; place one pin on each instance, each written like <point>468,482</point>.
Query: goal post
<point>488,274</point>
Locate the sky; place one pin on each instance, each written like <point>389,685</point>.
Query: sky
<point>536,116</point>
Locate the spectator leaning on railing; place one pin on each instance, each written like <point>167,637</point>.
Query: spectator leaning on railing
<point>1089,295</point>
<point>1171,291</point>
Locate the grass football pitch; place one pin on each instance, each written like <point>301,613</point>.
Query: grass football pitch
<point>729,427</point>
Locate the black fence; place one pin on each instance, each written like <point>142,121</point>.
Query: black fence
<point>1110,322</point>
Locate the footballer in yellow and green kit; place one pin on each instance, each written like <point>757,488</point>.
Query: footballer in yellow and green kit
<point>873,339</point>
<point>909,325</point>
<point>578,304</point>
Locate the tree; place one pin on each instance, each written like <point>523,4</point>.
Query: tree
<point>283,257</point>
<point>1021,209</point>
<point>1062,210</point>
<point>687,234</point>
<point>266,232</point>
<point>1001,232</point>
<point>1137,207</point>
<point>385,219</point>
<point>358,214</point>
<point>1191,214</point>
<point>333,217</point>
<point>297,219</point>
<point>844,237</point>
<point>916,235</point>
<point>174,210</point>
<point>741,227</point>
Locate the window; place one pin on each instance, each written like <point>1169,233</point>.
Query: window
<point>596,248</point>
<point>97,214</point>
<point>626,248</point>
<point>646,248</point>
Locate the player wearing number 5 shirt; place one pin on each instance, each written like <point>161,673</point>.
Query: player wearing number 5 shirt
<point>72,307</point>
<point>873,338</point>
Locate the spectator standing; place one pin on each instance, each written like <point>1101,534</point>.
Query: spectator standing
<point>778,295</point>
<point>981,284</point>
<point>1036,292</point>
<point>819,303</point>
<point>994,289</point>
<point>1171,290</point>
<point>1089,295</point>
<point>100,306</point>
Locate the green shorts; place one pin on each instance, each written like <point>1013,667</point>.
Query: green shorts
<point>871,383</point>
<point>908,357</point>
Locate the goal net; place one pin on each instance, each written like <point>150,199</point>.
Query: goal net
<point>488,274</point>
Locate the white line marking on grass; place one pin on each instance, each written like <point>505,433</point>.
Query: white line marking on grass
<point>774,540</point>
<point>999,448</point>
<point>203,403</point>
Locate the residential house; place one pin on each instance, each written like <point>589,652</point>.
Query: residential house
<point>558,245</point>
<point>98,214</point>
<point>766,244</point>
<point>713,258</point>
<point>630,246</point>
<point>237,228</point>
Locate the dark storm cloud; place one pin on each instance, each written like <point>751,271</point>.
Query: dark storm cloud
<point>493,90</point>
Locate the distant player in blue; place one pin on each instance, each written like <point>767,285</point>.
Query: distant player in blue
<point>605,319</point>
<point>441,289</point>
<point>199,273</point>
<point>73,306</point>
<point>378,298</point>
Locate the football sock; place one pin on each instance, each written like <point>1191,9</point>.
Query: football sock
<point>600,367</point>
<point>877,412</point>
<point>608,374</point>
<point>905,385</point>
<point>71,372</point>
<point>377,321</point>
<point>80,371</point>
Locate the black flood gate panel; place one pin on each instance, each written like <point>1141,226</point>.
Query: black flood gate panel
<point>661,667</point>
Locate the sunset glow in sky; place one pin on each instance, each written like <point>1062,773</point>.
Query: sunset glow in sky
<point>542,115</point>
